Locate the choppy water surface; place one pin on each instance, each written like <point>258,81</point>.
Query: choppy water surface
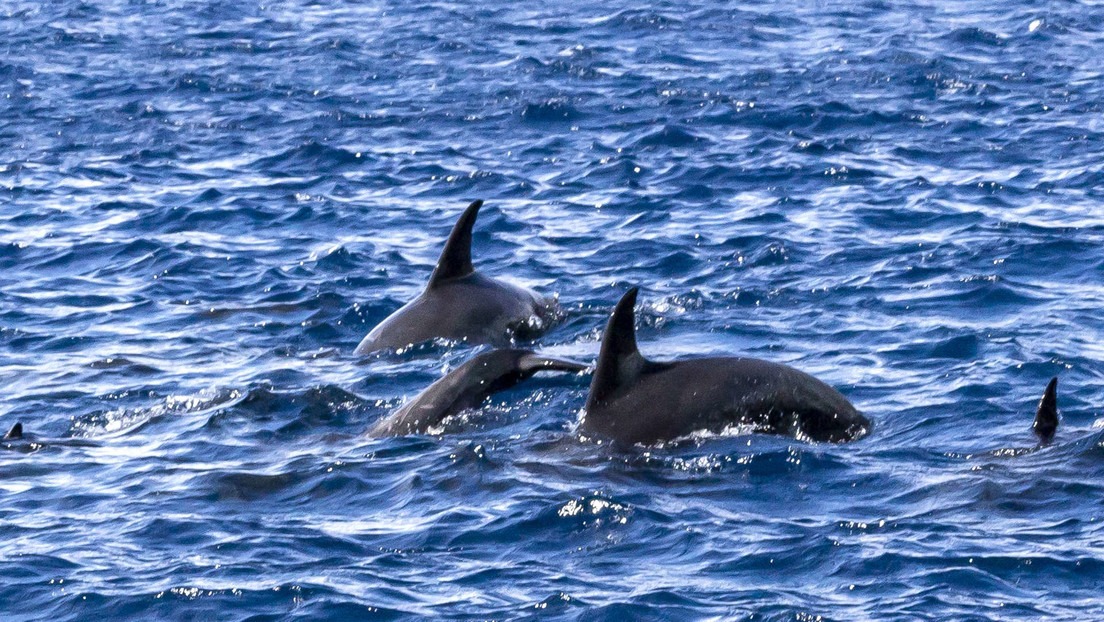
<point>205,205</point>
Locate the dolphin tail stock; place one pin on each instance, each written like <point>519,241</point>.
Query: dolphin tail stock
<point>455,260</point>
<point>1046,416</point>
<point>16,432</point>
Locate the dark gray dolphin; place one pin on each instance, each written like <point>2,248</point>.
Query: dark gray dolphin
<point>1046,416</point>
<point>462,304</point>
<point>634,400</point>
<point>466,387</point>
<point>15,433</point>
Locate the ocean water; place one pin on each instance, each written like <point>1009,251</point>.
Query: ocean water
<point>204,206</point>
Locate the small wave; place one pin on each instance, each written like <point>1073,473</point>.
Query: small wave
<point>338,259</point>
<point>640,19</point>
<point>248,486</point>
<point>123,421</point>
<point>550,111</point>
<point>974,36</point>
<point>309,159</point>
<point>668,136</point>
<point>124,365</point>
<point>263,410</point>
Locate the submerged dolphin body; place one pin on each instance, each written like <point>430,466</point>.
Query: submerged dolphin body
<point>460,303</point>
<point>17,440</point>
<point>467,386</point>
<point>634,400</point>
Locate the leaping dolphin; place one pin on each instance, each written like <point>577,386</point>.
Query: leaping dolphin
<point>467,386</point>
<point>462,304</point>
<point>635,400</point>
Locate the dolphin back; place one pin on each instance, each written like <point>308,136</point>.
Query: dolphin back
<point>460,303</point>
<point>467,386</point>
<point>635,400</point>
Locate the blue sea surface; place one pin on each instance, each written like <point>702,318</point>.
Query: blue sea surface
<point>205,205</point>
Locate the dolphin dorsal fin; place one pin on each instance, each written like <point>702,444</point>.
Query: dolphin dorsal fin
<point>455,260</point>
<point>15,432</point>
<point>1046,417</point>
<point>619,361</point>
